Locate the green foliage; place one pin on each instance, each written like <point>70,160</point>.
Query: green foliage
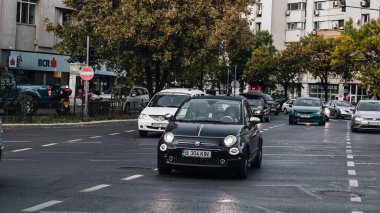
<point>24,104</point>
<point>260,66</point>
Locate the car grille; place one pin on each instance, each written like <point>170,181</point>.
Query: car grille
<point>309,113</point>
<point>371,119</point>
<point>195,161</point>
<point>157,117</point>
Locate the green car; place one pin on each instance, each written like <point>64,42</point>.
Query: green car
<point>307,110</point>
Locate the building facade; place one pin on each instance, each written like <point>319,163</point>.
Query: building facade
<point>25,44</point>
<point>290,20</point>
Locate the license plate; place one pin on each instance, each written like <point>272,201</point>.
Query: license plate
<point>305,116</point>
<point>160,125</point>
<point>196,153</point>
<point>374,123</point>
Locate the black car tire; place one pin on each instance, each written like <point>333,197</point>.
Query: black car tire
<point>143,133</point>
<point>163,170</point>
<point>322,123</point>
<point>291,122</point>
<point>256,164</point>
<point>242,172</point>
<point>267,119</point>
<point>353,129</point>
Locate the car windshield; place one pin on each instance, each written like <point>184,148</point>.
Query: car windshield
<point>307,102</point>
<point>369,106</point>
<point>210,111</point>
<point>255,102</point>
<point>268,97</point>
<point>167,100</point>
<point>343,104</point>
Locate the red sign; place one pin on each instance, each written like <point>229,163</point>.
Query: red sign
<point>12,62</point>
<point>86,73</point>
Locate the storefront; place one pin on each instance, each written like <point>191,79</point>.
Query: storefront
<point>317,90</point>
<point>354,93</point>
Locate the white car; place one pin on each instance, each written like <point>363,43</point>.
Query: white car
<point>366,116</point>
<point>152,118</point>
<point>286,106</point>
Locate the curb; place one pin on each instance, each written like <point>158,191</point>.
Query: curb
<point>67,124</point>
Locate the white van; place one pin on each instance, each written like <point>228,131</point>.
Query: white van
<point>152,118</point>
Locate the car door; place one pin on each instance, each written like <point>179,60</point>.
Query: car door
<point>251,130</point>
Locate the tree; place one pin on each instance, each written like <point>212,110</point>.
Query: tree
<point>318,54</point>
<point>155,37</point>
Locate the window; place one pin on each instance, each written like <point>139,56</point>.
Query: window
<point>258,27</point>
<point>62,15</point>
<point>26,11</point>
<point>259,9</point>
<point>297,6</point>
<point>340,23</point>
<point>318,5</point>
<point>365,18</point>
<point>317,25</point>
<point>296,26</point>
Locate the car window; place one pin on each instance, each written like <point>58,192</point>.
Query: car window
<point>247,113</point>
<point>267,97</point>
<point>255,102</point>
<point>167,100</point>
<point>369,106</point>
<point>140,91</point>
<point>343,104</point>
<point>307,102</point>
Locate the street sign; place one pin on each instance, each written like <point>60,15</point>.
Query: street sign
<point>235,84</point>
<point>86,73</point>
<point>12,62</point>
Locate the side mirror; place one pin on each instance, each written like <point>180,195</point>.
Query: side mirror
<point>133,95</point>
<point>352,110</point>
<point>254,120</point>
<point>168,116</point>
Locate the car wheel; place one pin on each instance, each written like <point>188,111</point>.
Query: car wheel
<point>353,129</point>
<point>267,119</point>
<point>143,133</point>
<point>163,170</point>
<point>256,164</point>
<point>285,111</point>
<point>243,170</point>
<point>322,122</point>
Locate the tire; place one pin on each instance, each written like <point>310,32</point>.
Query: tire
<point>243,170</point>
<point>322,122</point>
<point>267,119</point>
<point>353,129</point>
<point>285,111</point>
<point>163,170</point>
<point>143,133</point>
<point>262,120</point>
<point>256,164</point>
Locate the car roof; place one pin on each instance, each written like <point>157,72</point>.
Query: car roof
<point>185,91</point>
<point>369,101</point>
<point>221,97</point>
<point>312,98</point>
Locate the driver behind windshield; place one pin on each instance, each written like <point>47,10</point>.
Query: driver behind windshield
<point>233,112</point>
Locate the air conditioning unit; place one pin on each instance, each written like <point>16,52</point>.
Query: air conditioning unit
<point>316,12</point>
<point>314,32</point>
<point>364,3</point>
<point>335,25</point>
<point>287,13</point>
<point>335,3</point>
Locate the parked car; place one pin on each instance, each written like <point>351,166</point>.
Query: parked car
<point>286,107</point>
<point>151,118</point>
<point>366,116</point>
<point>258,105</point>
<point>211,131</point>
<point>1,140</point>
<point>274,106</point>
<point>307,110</point>
<point>340,109</point>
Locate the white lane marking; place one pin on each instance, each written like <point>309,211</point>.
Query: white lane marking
<point>350,156</point>
<point>20,150</point>
<point>226,201</point>
<point>49,144</point>
<point>75,140</point>
<point>103,160</point>
<point>350,163</point>
<point>348,143</point>
<point>130,131</point>
<point>356,212</point>
<point>265,129</point>
<point>348,147</point>
<point>101,186</point>
<point>84,142</point>
<point>349,151</point>
<point>132,177</point>
<point>356,199</point>
<point>155,169</point>
<point>351,172</point>
<point>42,206</point>
<point>17,141</point>
<point>93,137</point>
<point>116,133</point>
<point>261,131</point>
<point>353,183</point>
<point>271,127</point>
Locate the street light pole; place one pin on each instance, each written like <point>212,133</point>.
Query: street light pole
<point>86,82</point>
<point>235,81</point>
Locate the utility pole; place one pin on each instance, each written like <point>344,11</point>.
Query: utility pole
<point>228,81</point>
<point>86,82</point>
<point>235,81</point>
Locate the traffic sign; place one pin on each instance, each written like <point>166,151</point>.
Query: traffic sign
<point>86,73</point>
<point>235,84</point>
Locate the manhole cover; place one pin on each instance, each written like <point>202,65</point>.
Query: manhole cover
<point>342,194</point>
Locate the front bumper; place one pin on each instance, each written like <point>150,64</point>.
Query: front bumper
<point>148,125</point>
<point>314,118</point>
<point>366,125</point>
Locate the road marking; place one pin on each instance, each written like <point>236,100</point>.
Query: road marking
<point>20,150</point>
<point>155,169</point>
<point>348,143</point>
<point>351,172</point>
<point>17,141</point>
<point>93,137</point>
<point>271,127</point>
<point>356,212</point>
<point>350,163</point>
<point>101,186</point>
<point>350,156</point>
<point>130,131</point>
<point>348,139</point>
<point>116,133</point>
<point>42,206</point>
<point>353,183</point>
<point>265,129</point>
<point>348,147</point>
<point>132,177</point>
<point>75,140</point>
<point>356,199</point>
<point>84,142</point>
<point>50,144</point>
<point>349,151</point>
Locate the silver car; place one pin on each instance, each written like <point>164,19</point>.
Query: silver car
<point>1,141</point>
<point>340,109</point>
<point>366,116</point>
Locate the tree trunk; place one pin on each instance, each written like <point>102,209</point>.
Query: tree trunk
<point>149,80</point>
<point>158,77</point>
<point>325,85</point>
<point>286,87</point>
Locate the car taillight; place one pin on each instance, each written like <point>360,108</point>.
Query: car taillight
<point>49,91</point>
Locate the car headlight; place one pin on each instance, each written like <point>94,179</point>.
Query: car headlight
<point>230,140</point>
<point>327,110</point>
<point>168,137</point>
<point>257,112</point>
<point>143,116</point>
<point>358,118</point>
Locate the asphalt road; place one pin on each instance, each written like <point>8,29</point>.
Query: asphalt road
<point>109,168</point>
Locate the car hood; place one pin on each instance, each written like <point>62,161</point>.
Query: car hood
<point>369,114</point>
<point>159,110</point>
<point>345,108</point>
<point>306,109</point>
<point>255,108</point>
<point>203,129</point>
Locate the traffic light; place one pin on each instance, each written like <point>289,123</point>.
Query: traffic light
<point>93,57</point>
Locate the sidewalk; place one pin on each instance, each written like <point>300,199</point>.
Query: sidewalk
<point>67,124</point>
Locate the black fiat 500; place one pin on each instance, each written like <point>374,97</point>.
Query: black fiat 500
<point>211,131</point>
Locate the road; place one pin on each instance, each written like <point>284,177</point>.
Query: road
<point>109,168</point>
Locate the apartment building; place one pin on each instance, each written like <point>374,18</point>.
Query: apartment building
<point>27,46</point>
<point>290,20</point>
